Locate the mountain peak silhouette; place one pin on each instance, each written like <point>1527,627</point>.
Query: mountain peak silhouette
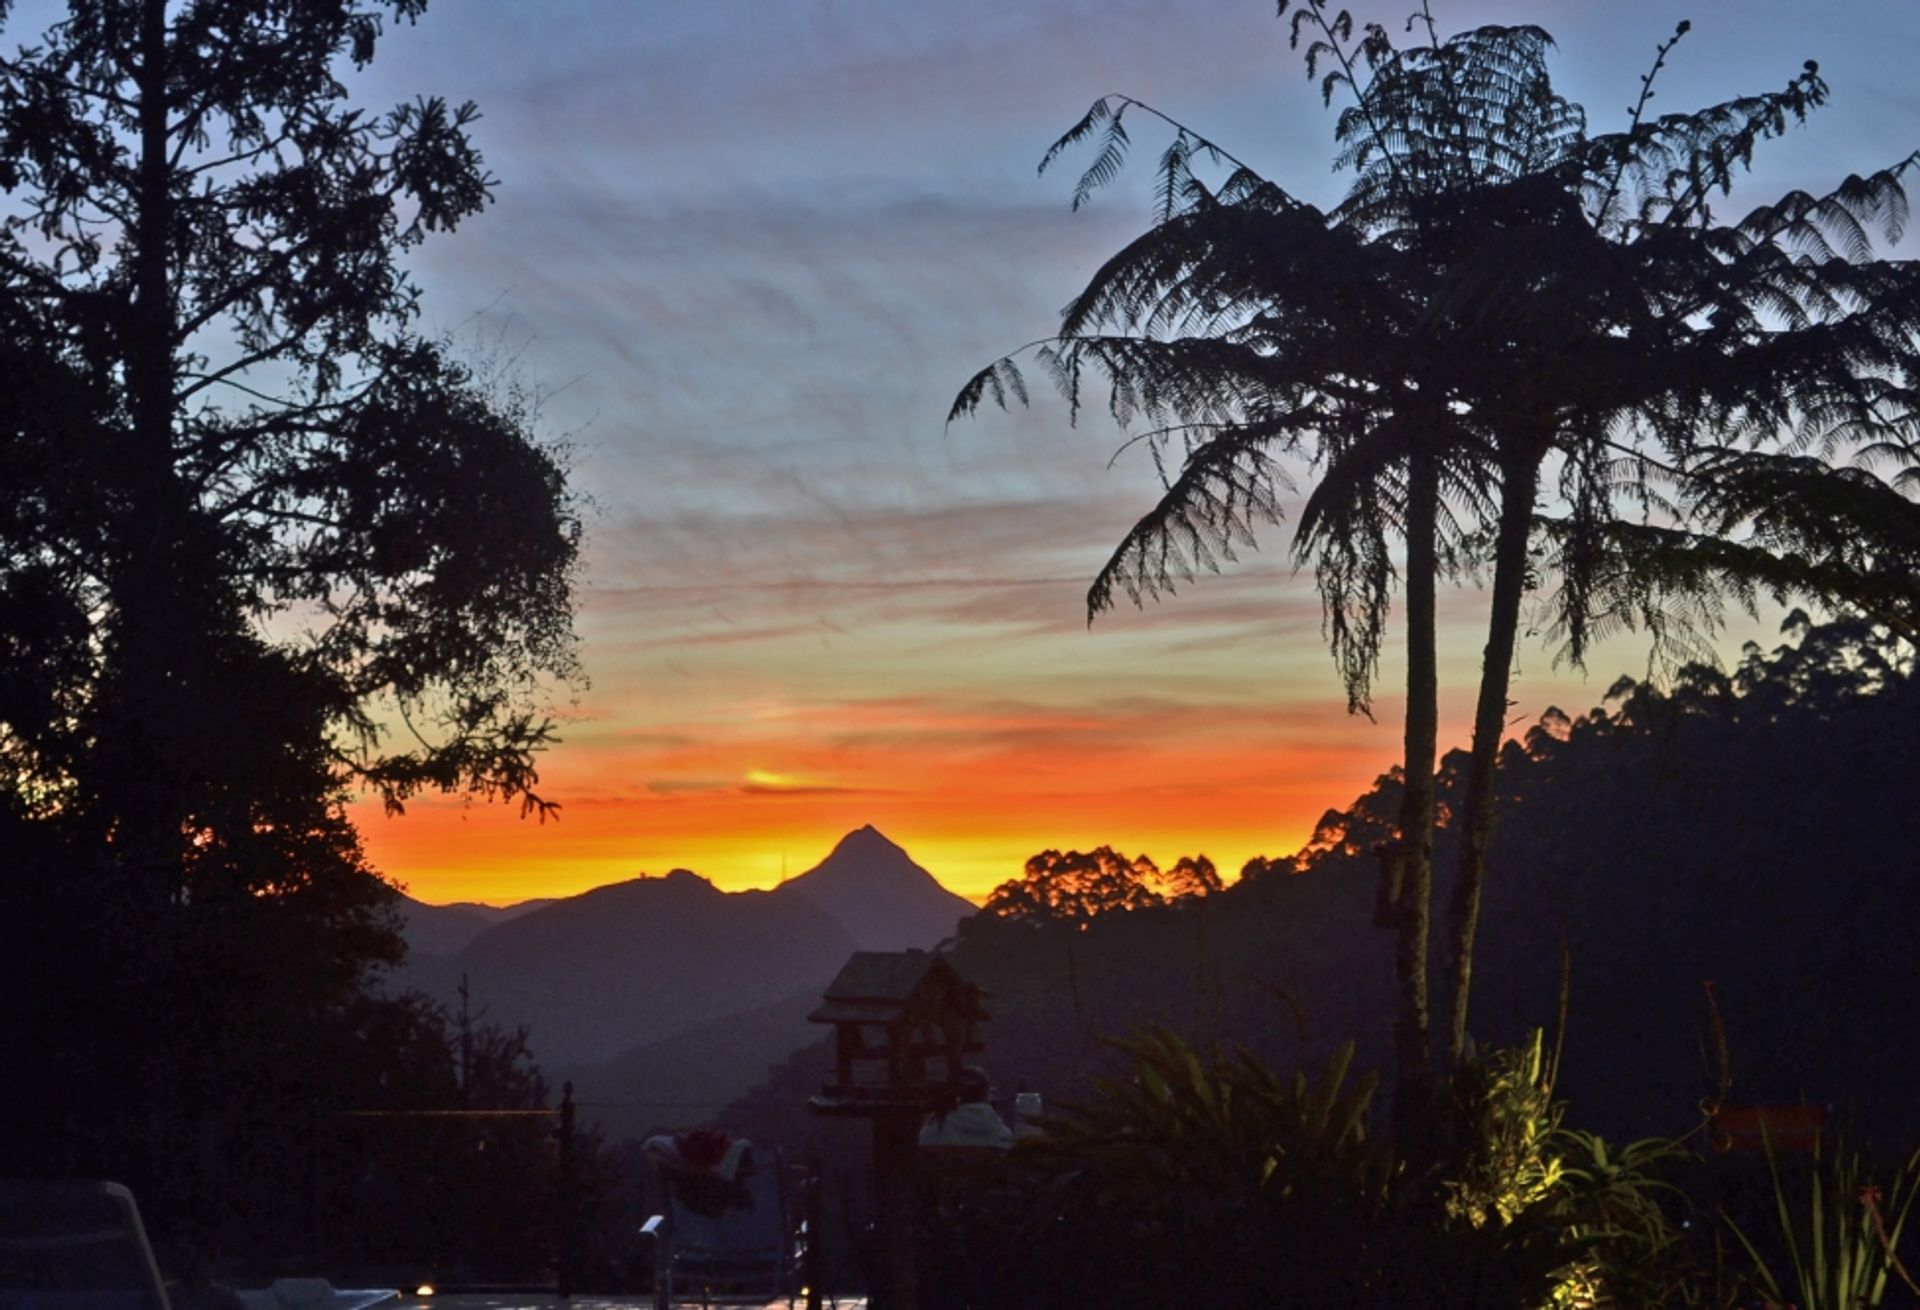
<point>866,841</point>
<point>884,900</point>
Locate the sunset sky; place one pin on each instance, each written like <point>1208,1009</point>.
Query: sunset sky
<point>750,249</point>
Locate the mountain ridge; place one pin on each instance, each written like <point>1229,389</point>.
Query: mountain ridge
<point>631,963</point>
<point>865,838</point>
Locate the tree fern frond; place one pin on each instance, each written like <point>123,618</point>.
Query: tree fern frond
<point>996,379</point>
<point>1226,489</point>
<point>1495,283</point>
<point>1100,112</point>
<point>1172,178</point>
<point>1106,165</point>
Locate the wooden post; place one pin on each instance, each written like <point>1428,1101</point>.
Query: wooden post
<point>812,1258</point>
<point>312,1171</point>
<point>569,1198</point>
<point>896,1139</point>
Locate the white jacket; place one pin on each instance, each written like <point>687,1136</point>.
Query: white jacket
<point>971,1124</point>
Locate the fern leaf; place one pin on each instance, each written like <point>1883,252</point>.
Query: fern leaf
<point>1106,165</point>
<point>1099,113</point>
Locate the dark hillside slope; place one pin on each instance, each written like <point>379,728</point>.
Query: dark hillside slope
<point>1288,967</point>
<point>1761,832</point>
<point>602,979</point>
<point>684,1079</point>
<point>446,929</point>
<point>620,966</point>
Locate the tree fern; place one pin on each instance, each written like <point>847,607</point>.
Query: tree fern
<point>1501,293</point>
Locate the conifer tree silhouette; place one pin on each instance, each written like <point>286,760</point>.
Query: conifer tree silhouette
<point>264,542</point>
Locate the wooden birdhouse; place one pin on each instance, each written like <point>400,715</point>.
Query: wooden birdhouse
<point>904,1023</point>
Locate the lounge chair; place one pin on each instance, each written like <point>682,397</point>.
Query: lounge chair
<point>716,1241</point>
<point>81,1246</point>
<point>75,1246</point>
<point>316,1294</point>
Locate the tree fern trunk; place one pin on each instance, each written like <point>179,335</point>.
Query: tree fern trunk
<point>1520,483</point>
<point>1414,850</point>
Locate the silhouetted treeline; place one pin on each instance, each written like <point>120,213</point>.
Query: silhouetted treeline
<point>1079,886</point>
<point>231,1065</point>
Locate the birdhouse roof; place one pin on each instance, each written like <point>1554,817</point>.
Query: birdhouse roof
<point>875,986</point>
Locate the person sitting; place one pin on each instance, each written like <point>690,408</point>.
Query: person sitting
<point>968,1118</point>
<point>706,1168</point>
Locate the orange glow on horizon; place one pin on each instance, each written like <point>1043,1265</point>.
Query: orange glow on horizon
<point>490,855</point>
<point>747,778</point>
<point>970,796</point>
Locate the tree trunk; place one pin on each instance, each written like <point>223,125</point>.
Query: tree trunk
<point>147,774</point>
<point>1519,484</point>
<point>1413,852</point>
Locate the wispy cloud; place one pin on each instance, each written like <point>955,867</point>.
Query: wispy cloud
<point>756,249</point>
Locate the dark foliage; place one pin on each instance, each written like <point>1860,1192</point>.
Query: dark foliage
<point>1076,887</point>
<point>379,1175</point>
<point>1750,827</point>
<point>1194,1178</point>
<point>261,545</point>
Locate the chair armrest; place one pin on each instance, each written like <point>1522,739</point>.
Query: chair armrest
<point>652,1227</point>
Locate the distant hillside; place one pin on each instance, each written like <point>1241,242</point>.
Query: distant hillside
<point>444,929</point>
<point>603,977</point>
<point>620,966</point>
<point>686,1078</point>
<point>882,898</point>
<point>1287,967</point>
<point>1755,829</point>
